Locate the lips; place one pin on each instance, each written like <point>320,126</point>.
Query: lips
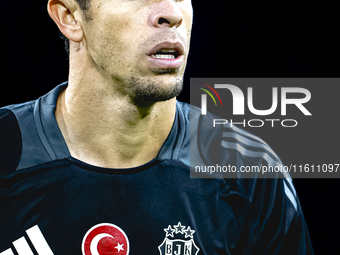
<point>166,55</point>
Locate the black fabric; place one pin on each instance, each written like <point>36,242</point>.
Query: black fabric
<point>42,186</point>
<point>66,198</point>
<point>10,142</point>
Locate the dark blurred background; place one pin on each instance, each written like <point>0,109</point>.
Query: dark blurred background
<point>228,40</point>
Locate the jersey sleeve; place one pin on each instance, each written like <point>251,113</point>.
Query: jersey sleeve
<point>10,142</point>
<point>296,239</point>
<point>277,219</point>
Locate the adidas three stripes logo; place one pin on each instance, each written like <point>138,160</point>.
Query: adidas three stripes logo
<point>37,239</point>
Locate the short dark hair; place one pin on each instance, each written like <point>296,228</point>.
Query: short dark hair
<point>84,6</point>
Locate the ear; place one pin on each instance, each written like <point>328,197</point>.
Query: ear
<point>65,14</point>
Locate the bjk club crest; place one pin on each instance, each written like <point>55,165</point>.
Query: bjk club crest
<point>105,239</point>
<point>176,245</point>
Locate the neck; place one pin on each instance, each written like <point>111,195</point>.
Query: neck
<point>104,128</point>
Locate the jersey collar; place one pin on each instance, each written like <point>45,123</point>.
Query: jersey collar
<point>174,148</point>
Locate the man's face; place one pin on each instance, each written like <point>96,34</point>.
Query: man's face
<point>142,45</point>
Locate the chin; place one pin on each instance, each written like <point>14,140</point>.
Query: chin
<point>156,89</point>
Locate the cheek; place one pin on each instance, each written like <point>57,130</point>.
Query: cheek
<point>114,38</point>
<point>115,26</point>
<point>112,45</point>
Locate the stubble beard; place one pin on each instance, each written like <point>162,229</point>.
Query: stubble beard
<point>156,89</point>
<point>144,90</point>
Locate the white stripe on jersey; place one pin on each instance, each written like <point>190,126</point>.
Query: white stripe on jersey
<point>244,133</point>
<point>260,141</point>
<point>22,247</point>
<point>265,156</point>
<point>247,141</point>
<point>249,153</point>
<point>39,241</point>
<point>7,252</point>
<point>290,195</point>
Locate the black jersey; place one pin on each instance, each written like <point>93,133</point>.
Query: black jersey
<point>52,203</point>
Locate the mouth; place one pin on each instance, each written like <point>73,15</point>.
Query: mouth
<point>167,55</point>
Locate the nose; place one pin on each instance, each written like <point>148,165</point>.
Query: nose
<point>166,13</point>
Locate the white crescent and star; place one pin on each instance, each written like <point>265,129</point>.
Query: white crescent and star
<point>119,247</point>
<point>92,245</point>
<point>95,241</point>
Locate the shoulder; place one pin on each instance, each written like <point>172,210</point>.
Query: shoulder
<point>220,142</point>
<point>11,141</point>
<point>214,143</point>
<point>13,120</point>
